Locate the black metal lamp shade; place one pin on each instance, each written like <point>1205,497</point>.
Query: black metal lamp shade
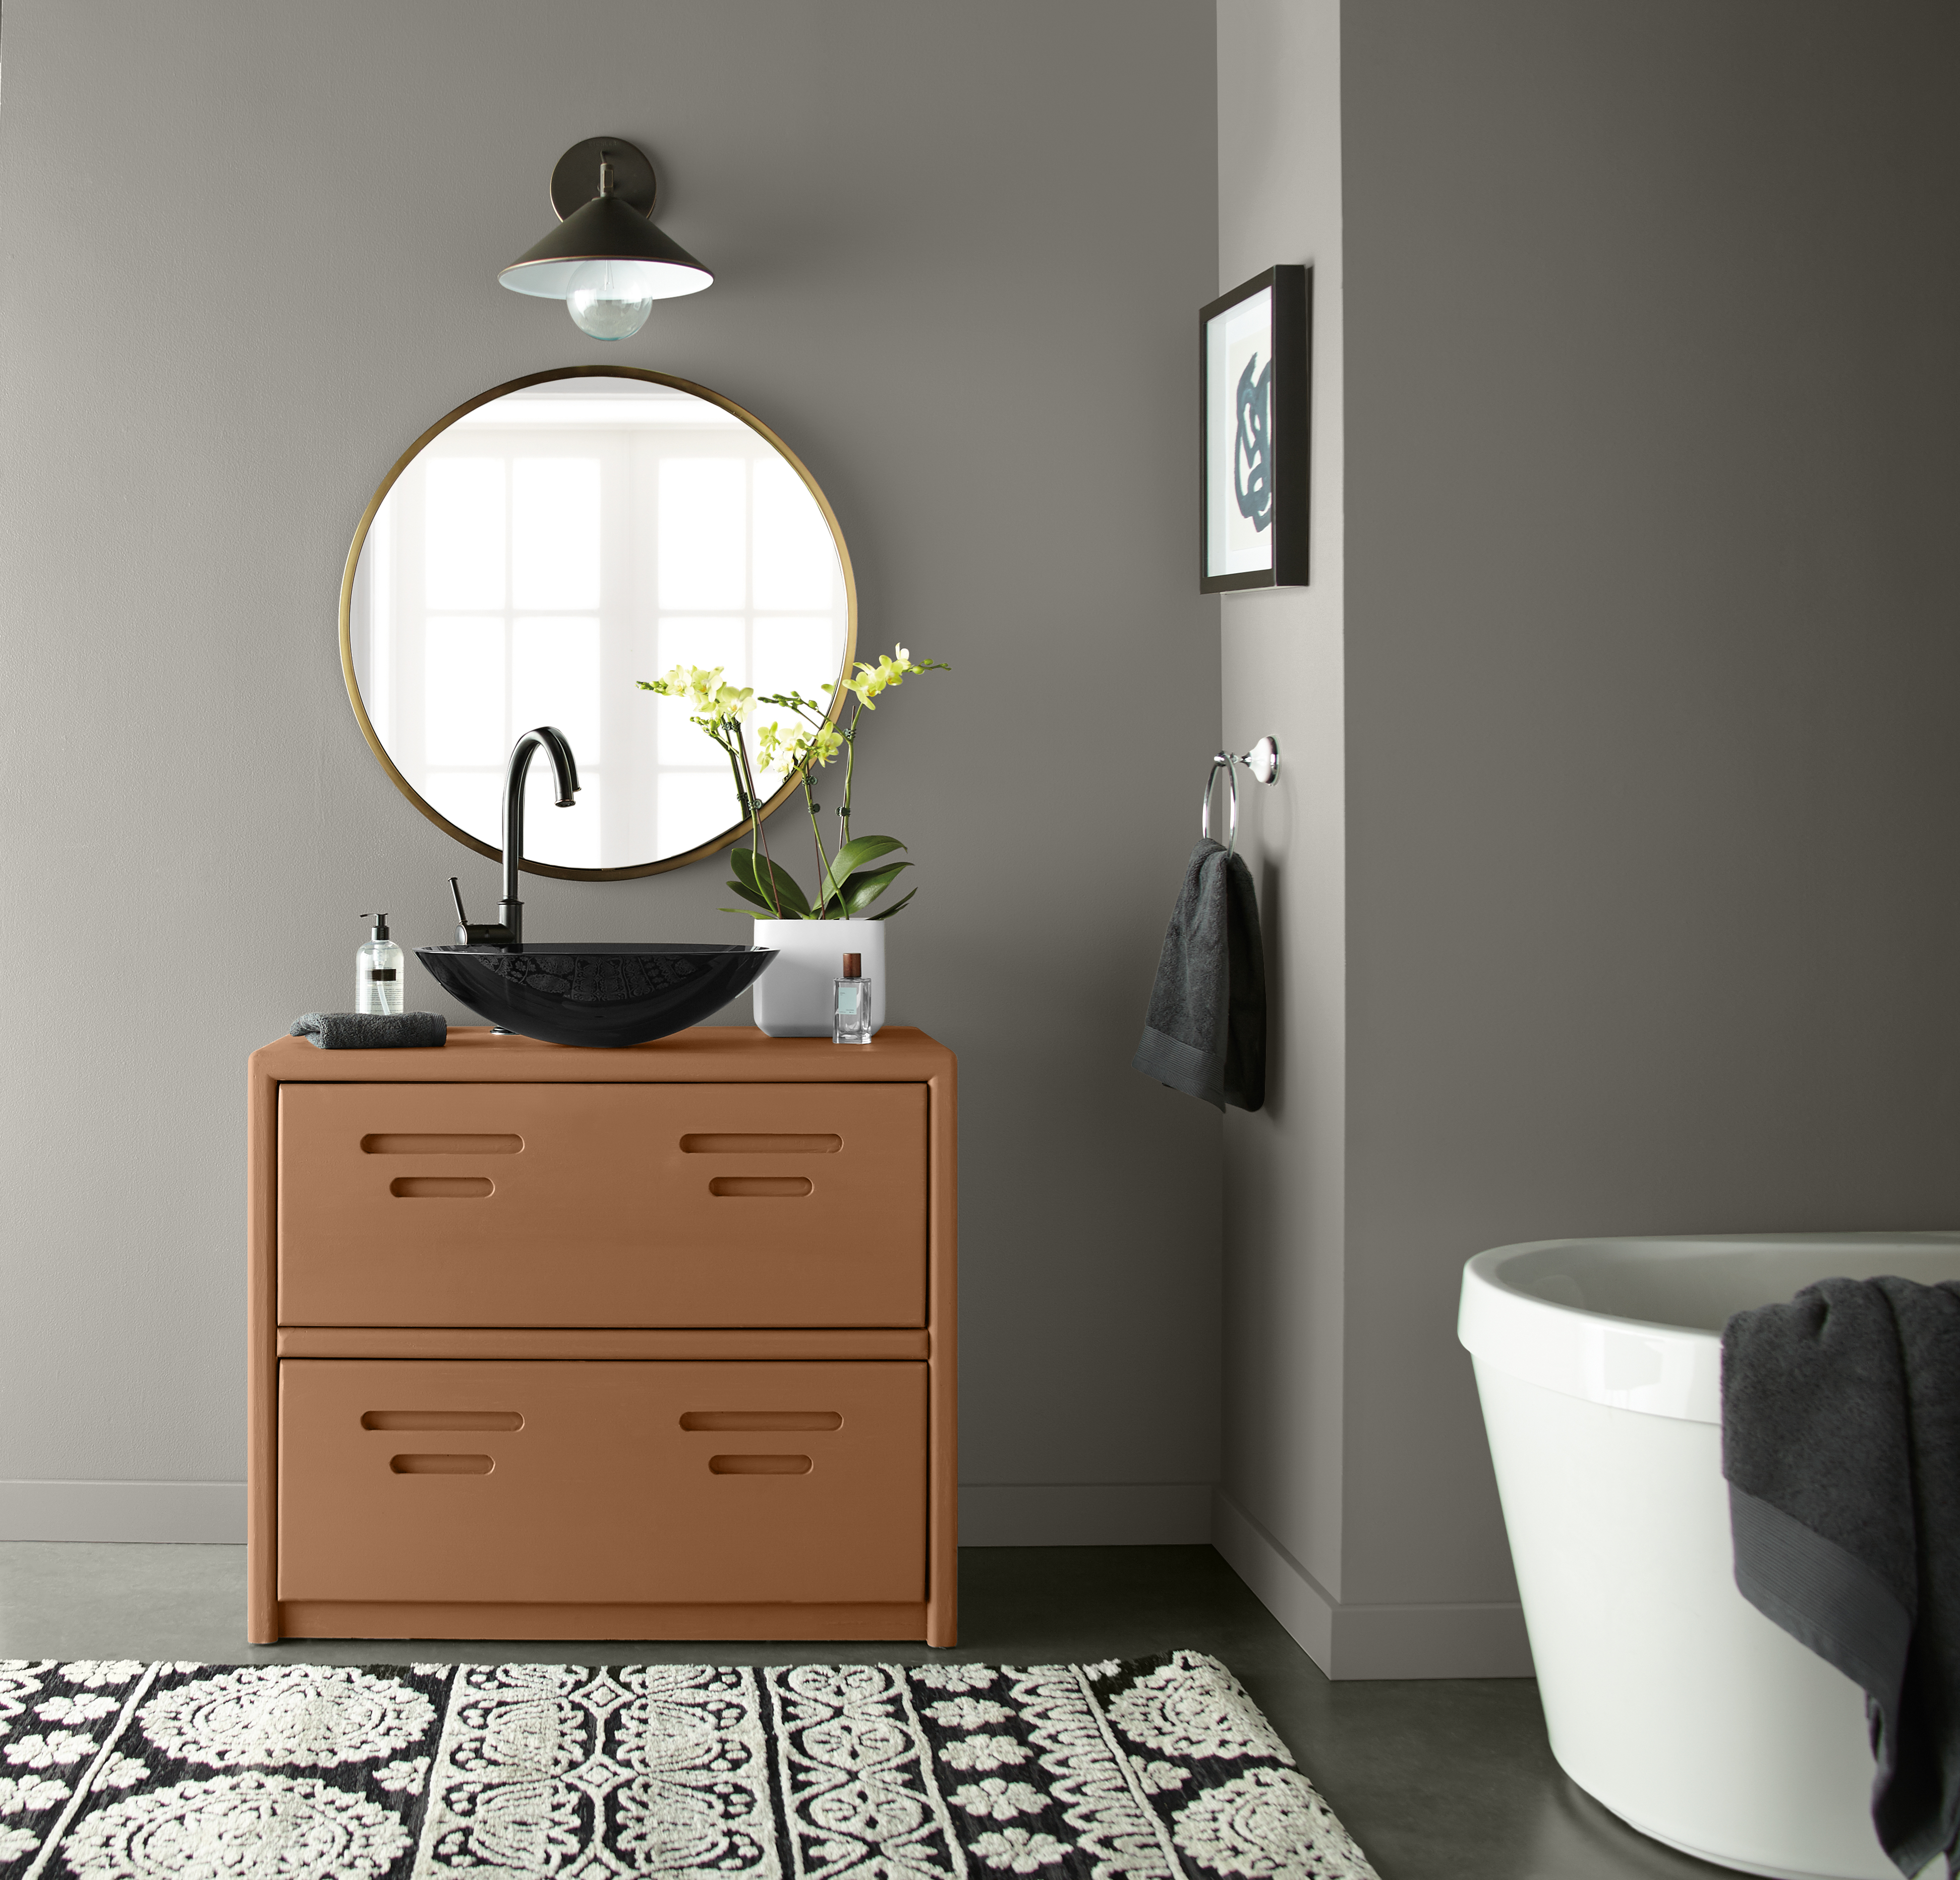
<point>607,229</point>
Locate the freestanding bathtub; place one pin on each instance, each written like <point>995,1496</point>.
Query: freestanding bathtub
<point>1668,1697</point>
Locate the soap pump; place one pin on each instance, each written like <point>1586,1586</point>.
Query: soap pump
<point>378,971</point>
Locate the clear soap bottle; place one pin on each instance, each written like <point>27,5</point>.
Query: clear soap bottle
<point>378,971</point>
<point>850,1010</point>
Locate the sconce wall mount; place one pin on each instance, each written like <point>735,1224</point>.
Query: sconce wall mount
<point>605,259</point>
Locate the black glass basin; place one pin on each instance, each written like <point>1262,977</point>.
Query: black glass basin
<point>603,993</point>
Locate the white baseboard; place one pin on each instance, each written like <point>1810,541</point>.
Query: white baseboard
<point>122,1511</point>
<point>1085,1514</point>
<point>1285,1588</point>
<point>1358,1641</point>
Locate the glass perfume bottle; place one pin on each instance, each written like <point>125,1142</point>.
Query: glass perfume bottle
<point>378,971</point>
<point>850,1011</point>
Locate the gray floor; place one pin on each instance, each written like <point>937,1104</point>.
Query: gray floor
<point>1438,1781</point>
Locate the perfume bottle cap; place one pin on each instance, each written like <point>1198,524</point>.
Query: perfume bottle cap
<point>853,965</point>
<point>380,924</point>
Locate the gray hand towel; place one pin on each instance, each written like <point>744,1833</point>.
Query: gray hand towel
<point>1841,1441</point>
<point>1205,1033</point>
<point>370,1031</point>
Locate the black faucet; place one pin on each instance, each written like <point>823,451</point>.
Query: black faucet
<point>508,929</point>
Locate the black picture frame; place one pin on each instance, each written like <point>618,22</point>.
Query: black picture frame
<point>1255,434</point>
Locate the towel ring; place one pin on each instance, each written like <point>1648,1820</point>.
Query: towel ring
<point>1221,761</point>
<point>1262,760</point>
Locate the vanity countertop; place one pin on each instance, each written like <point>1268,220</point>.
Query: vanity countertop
<point>735,1053</point>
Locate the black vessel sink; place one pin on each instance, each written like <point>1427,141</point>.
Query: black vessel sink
<point>603,993</point>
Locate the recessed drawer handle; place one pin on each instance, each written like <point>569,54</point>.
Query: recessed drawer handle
<point>440,1145</point>
<point>761,1145</point>
<point>446,1465</point>
<point>441,1188</point>
<point>756,1464</point>
<point>441,1420</point>
<point>753,1186</point>
<point>760,1420</point>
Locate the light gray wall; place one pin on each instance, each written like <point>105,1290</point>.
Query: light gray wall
<point>250,252</point>
<point>1653,318</point>
<point>1279,200</point>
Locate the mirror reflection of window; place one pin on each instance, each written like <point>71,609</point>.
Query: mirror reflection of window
<point>704,530</point>
<point>548,549</point>
<point>555,531</point>
<point>463,533</point>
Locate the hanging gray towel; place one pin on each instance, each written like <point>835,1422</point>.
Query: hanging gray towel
<point>371,1031</point>
<point>1841,1441</point>
<point>1205,1034</point>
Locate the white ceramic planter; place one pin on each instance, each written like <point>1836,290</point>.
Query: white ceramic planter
<point>793,997</point>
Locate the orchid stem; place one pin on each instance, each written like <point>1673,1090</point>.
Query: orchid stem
<point>823,887</point>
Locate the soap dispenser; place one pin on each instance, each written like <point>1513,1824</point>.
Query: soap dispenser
<point>378,971</point>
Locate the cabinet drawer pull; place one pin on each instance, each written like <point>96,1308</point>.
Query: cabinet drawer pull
<point>761,1145</point>
<point>441,1420</point>
<point>446,1465</point>
<point>441,1188</point>
<point>753,1185</point>
<point>753,1465</point>
<point>440,1145</point>
<point>760,1420</point>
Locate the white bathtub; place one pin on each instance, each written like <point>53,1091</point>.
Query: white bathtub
<point>1668,1697</point>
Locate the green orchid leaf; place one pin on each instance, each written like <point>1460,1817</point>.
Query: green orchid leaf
<point>750,895</point>
<point>757,872</point>
<point>895,906</point>
<point>789,896</point>
<point>857,852</point>
<point>860,890</point>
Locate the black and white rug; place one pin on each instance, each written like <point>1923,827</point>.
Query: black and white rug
<point>1151,1769</point>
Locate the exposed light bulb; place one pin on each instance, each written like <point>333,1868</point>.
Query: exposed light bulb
<point>607,301</point>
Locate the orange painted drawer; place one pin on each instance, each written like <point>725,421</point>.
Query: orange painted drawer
<point>538,1204</point>
<point>610,1483</point>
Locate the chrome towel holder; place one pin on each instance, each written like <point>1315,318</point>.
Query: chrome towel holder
<point>1262,760</point>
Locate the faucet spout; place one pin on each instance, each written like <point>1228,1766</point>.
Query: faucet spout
<point>509,930</point>
<point>553,743</point>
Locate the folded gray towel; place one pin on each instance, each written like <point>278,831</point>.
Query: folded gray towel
<point>370,1031</point>
<point>1205,1033</point>
<point>1840,1440</point>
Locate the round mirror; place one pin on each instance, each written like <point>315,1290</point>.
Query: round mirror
<point>544,548</point>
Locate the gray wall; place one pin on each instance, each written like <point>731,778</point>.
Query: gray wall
<point>1279,1515</point>
<point>1654,798</point>
<point>1652,812</point>
<point>251,253</point>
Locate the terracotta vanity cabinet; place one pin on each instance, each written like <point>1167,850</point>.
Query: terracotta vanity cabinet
<point>654,1343</point>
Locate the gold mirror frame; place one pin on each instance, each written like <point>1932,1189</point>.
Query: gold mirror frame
<point>374,744</point>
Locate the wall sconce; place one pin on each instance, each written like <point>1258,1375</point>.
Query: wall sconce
<point>605,259</point>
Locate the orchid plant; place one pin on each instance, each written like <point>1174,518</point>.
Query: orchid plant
<point>846,882</point>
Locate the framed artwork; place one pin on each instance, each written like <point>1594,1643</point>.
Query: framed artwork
<point>1254,433</point>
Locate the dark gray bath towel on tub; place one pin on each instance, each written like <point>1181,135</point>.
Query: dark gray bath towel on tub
<point>1206,1032</point>
<point>1840,1439</point>
<point>371,1031</point>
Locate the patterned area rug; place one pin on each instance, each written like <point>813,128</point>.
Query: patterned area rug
<point>1147,1770</point>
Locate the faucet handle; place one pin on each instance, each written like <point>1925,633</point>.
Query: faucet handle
<point>494,934</point>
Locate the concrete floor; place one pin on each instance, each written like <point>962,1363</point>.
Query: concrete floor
<point>1437,1780</point>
